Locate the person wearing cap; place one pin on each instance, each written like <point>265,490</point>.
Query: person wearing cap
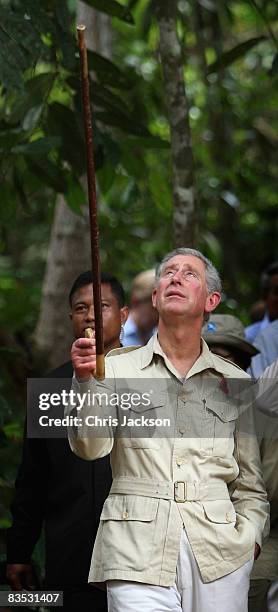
<point>142,321</point>
<point>224,335</point>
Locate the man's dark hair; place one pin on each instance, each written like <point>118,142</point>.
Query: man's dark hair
<point>266,277</point>
<point>86,279</point>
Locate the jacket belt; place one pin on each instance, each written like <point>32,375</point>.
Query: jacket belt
<point>179,491</point>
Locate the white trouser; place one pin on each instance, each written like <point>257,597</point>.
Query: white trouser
<point>272,597</point>
<point>189,593</point>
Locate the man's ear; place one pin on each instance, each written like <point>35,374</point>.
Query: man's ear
<point>212,301</point>
<point>124,314</point>
<point>70,315</point>
<point>154,298</point>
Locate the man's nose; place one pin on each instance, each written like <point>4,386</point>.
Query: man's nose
<point>177,276</point>
<point>90,316</point>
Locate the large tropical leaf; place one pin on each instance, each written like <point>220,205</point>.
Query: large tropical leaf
<point>229,57</point>
<point>36,90</point>
<point>63,121</point>
<point>107,99</point>
<point>41,146</point>
<point>49,173</point>
<point>125,123</point>
<point>108,72</point>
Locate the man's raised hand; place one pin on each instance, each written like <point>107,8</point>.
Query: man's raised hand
<point>83,356</point>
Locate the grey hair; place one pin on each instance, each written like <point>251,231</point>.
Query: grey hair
<point>212,276</point>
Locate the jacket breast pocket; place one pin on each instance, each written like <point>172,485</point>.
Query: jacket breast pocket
<point>142,426</point>
<point>218,427</point>
<point>128,531</point>
<point>234,533</point>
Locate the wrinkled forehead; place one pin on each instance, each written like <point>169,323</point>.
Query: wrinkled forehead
<point>185,261</point>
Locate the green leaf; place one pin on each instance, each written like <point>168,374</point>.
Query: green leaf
<point>39,86</point>
<point>132,3</point>
<point>20,187</point>
<point>107,99</point>
<point>108,72</point>
<point>112,8</point>
<point>38,18</point>
<point>229,57</point>
<point>63,121</point>
<point>75,195</point>
<point>63,15</point>
<point>274,68</point>
<point>119,120</point>
<point>112,150</point>
<point>8,351</point>
<point>5,523</point>
<point>20,44</point>
<point>148,18</point>
<point>212,242</point>
<point>49,173</point>
<point>36,90</point>
<point>36,147</point>
<point>13,430</point>
<point>72,5</point>
<point>32,117</point>
<point>12,63</point>
<point>8,139</point>
<point>67,43</point>
<point>105,177</point>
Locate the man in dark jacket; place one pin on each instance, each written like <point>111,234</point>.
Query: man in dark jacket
<point>56,489</point>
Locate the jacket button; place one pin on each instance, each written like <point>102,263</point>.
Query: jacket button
<point>179,462</point>
<point>125,515</point>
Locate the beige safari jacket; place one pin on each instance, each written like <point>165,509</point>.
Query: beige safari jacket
<point>211,486</point>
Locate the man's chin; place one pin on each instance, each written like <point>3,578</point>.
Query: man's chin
<point>175,309</point>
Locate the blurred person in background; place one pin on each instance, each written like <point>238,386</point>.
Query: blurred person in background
<point>257,311</point>
<point>269,289</point>
<point>143,317</point>
<point>267,344</point>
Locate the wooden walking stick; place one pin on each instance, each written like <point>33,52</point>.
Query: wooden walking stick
<point>91,180</point>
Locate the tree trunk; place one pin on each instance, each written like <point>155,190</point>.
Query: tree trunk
<point>68,256</point>
<point>69,247</point>
<point>184,192</point>
<point>221,146</point>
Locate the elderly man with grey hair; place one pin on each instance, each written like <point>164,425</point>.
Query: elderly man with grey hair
<point>186,511</point>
